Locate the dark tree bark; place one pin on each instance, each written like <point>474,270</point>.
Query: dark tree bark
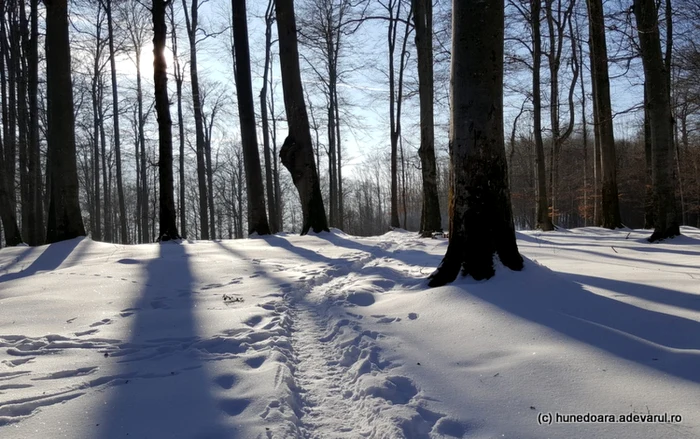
<point>136,23</point>
<point>269,184</point>
<point>649,191</point>
<point>296,152</point>
<point>36,215</point>
<point>96,98</point>
<point>557,21</point>
<point>423,19</point>
<point>142,152</point>
<point>666,221</point>
<point>9,103</point>
<point>610,206</point>
<point>257,218</point>
<point>21,38</point>
<point>65,220</point>
<point>179,79</point>
<point>192,23</point>
<point>115,114</point>
<point>7,215</point>
<point>395,99</point>
<point>168,227</point>
<point>481,219</point>
<point>544,220</point>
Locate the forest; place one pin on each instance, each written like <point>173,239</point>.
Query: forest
<point>374,78</point>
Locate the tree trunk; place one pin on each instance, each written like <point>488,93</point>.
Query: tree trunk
<point>481,219</point>
<point>610,214</point>
<point>544,220</point>
<point>666,221</point>
<point>649,191</point>
<point>21,67</point>
<point>115,111</point>
<point>36,217</point>
<point>65,220</point>
<point>257,218</point>
<point>181,126</point>
<point>9,100</point>
<point>192,24</point>
<point>168,227</point>
<point>296,152</point>
<point>142,154</point>
<point>423,19</point>
<point>269,184</point>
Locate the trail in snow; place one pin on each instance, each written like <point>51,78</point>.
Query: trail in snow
<point>333,336</point>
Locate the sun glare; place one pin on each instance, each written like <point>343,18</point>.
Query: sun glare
<point>126,64</point>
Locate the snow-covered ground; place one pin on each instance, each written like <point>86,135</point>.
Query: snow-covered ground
<point>333,336</point>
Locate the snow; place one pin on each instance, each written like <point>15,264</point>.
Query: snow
<point>335,336</point>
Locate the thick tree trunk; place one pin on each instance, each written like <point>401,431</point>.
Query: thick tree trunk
<point>65,220</point>
<point>481,219</point>
<point>544,220</point>
<point>168,227</point>
<point>423,19</point>
<point>257,218</point>
<point>297,153</point>
<point>666,221</point>
<point>610,213</point>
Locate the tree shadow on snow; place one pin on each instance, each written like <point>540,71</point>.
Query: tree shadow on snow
<point>407,256</point>
<point>50,259</point>
<point>161,386</point>
<point>661,341</point>
<point>660,295</point>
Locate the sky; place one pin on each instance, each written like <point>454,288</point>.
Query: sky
<point>366,88</point>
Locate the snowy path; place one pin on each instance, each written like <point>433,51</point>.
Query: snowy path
<point>333,336</point>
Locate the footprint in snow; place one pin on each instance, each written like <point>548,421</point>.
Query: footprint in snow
<point>225,381</point>
<point>234,406</point>
<point>253,320</point>
<point>101,322</point>
<point>255,362</point>
<point>361,298</point>
<point>413,316</point>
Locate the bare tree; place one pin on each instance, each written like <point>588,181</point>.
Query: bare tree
<point>135,20</point>
<point>423,18</point>
<point>65,220</point>
<point>257,218</point>
<point>192,23</point>
<point>168,227</point>
<point>666,221</point>
<point>610,207</point>
<point>481,223</point>
<point>543,218</point>
<point>297,153</point>
<point>107,4</point>
<point>272,207</point>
